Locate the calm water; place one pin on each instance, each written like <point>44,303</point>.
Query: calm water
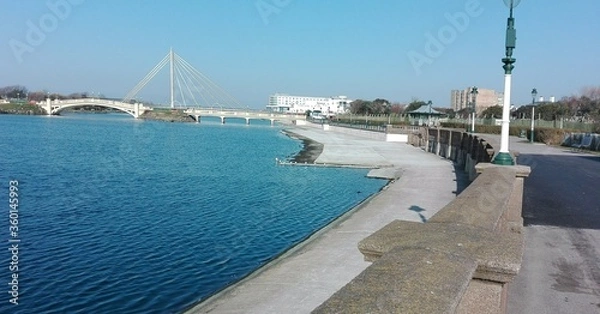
<point>124,216</point>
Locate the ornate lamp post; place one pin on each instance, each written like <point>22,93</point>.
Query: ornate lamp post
<point>503,157</point>
<point>474,92</point>
<point>533,96</point>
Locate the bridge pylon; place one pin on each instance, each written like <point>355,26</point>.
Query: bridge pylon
<point>48,106</point>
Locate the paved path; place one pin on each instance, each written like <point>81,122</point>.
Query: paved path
<point>561,210</point>
<point>308,275</point>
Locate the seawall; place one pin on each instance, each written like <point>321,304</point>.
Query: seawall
<point>462,259</point>
<point>312,272</point>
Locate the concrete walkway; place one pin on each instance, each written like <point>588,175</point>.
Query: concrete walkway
<point>561,211</point>
<point>309,274</point>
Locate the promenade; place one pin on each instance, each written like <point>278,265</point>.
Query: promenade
<point>561,212</point>
<point>309,274</point>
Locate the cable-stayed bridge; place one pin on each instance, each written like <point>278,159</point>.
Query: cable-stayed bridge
<point>190,90</point>
<point>188,86</point>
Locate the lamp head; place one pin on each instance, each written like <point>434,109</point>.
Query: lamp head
<point>534,93</point>
<point>512,3</point>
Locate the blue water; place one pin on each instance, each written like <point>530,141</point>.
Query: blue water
<point>118,215</point>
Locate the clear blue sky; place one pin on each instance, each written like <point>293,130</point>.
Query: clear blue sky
<point>311,47</point>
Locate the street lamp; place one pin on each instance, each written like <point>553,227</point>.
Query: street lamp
<point>429,104</point>
<point>474,93</point>
<point>503,157</point>
<point>533,96</point>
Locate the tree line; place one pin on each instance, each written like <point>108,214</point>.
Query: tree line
<point>22,93</point>
<point>381,106</point>
<point>584,107</point>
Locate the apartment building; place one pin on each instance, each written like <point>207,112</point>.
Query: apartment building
<point>461,99</point>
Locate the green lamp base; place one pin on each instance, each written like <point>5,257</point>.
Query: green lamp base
<point>503,159</point>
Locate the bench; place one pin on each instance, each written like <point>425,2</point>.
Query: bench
<point>586,143</point>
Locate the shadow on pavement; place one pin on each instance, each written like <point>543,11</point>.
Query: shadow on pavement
<point>462,179</point>
<point>418,210</point>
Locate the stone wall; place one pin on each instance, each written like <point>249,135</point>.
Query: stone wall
<point>460,261</point>
<point>464,149</point>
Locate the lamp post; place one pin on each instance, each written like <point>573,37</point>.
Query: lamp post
<point>474,93</point>
<point>533,96</point>
<point>429,104</point>
<point>503,157</point>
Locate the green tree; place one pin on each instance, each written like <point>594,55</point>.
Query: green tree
<point>381,106</point>
<point>463,113</point>
<point>14,91</point>
<point>492,112</point>
<point>360,106</point>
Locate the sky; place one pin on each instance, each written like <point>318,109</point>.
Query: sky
<point>391,49</point>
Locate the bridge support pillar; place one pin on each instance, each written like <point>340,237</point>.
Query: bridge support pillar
<point>247,121</point>
<point>222,120</point>
<point>136,110</point>
<point>48,106</point>
<point>197,118</point>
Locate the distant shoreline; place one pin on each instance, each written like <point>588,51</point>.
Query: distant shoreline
<point>310,151</point>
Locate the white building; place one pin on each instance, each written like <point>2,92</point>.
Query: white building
<point>300,104</point>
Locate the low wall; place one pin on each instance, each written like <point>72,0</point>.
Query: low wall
<point>366,133</point>
<point>460,261</point>
<point>386,133</point>
<point>465,149</point>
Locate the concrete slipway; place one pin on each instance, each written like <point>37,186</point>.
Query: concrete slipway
<point>309,274</point>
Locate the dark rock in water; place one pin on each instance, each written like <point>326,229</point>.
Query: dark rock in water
<point>311,149</point>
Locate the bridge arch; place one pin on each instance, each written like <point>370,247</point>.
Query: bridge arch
<point>95,104</point>
<point>55,107</point>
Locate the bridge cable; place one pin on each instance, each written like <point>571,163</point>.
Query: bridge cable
<point>146,79</point>
<point>185,82</point>
<point>211,85</point>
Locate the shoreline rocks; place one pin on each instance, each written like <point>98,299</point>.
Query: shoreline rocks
<point>311,149</point>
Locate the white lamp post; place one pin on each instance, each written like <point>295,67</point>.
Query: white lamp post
<point>503,157</point>
<point>533,95</point>
<point>474,92</point>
